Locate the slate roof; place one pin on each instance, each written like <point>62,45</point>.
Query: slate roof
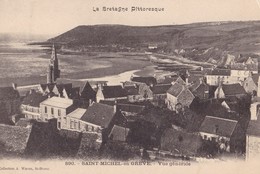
<point>113,91</point>
<point>180,142</point>
<point>8,93</point>
<point>175,89</point>
<point>119,133</point>
<point>255,78</point>
<point>193,78</point>
<point>132,90</point>
<point>146,80</point>
<point>34,99</point>
<point>161,89</point>
<point>67,87</point>
<point>88,92</point>
<point>80,83</point>
<point>225,127</point>
<point>233,89</point>
<point>99,114</point>
<point>130,108</point>
<point>49,86</point>
<point>221,72</point>
<point>253,128</point>
<point>23,91</point>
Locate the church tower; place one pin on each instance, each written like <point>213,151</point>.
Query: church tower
<point>53,71</point>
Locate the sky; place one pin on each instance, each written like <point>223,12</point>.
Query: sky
<point>53,17</point>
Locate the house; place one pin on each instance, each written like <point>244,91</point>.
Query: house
<point>138,92</point>
<point>25,90</point>
<point>119,133</point>
<point>231,90</point>
<point>149,81</point>
<point>225,76</point>
<point>9,103</point>
<point>200,89</point>
<point>172,79</point>
<point>253,140</point>
<point>226,132</point>
<point>30,105</point>
<point>111,93</point>
<point>180,142</point>
<point>99,118</point>
<point>194,76</point>
<point>72,121</point>
<point>251,84</point>
<point>160,93</point>
<point>57,108</point>
<point>178,95</point>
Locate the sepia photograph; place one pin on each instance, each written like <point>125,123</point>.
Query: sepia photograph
<point>105,86</point>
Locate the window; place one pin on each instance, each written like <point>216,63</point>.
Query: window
<point>205,137</point>
<point>52,111</point>
<point>45,109</point>
<point>93,128</point>
<point>58,125</point>
<point>79,125</point>
<point>59,112</point>
<point>71,124</point>
<point>75,124</point>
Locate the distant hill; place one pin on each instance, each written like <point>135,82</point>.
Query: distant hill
<point>199,41</point>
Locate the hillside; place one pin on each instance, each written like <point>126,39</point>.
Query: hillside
<point>198,41</point>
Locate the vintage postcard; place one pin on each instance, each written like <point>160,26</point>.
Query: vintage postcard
<point>95,86</point>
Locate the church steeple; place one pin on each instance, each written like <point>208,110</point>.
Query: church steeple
<point>53,71</point>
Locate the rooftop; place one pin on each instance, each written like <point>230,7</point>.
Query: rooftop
<point>78,113</point>
<point>233,89</point>
<point>161,89</point>
<point>34,99</point>
<point>119,133</point>
<point>218,126</point>
<point>180,142</point>
<point>99,114</point>
<point>175,89</point>
<point>8,93</point>
<point>114,91</point>
<point>58,102</point>
<point>221,72</point>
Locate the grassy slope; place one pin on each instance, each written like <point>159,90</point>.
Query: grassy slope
<point>200,41</point>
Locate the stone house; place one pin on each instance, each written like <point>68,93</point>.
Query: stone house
<point>226,132</point>
<point>178,95</point>
<point>57,108</point>
<point>200,89</point>
<point>160,94</point>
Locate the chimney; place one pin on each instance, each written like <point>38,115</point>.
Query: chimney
<point>14,85</point>
<point>115,106</point>
<point>90,102</point>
